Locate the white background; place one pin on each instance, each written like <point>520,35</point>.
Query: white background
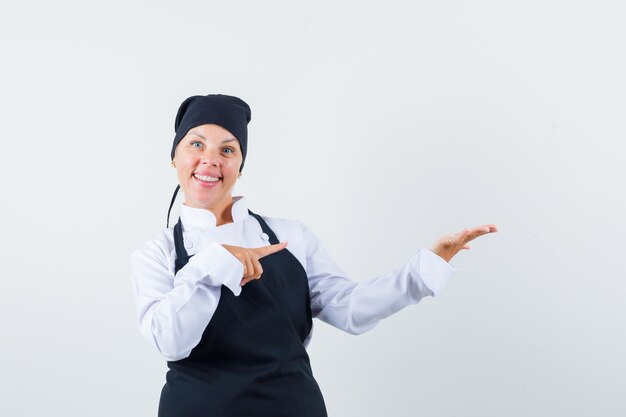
<point>382,125</point>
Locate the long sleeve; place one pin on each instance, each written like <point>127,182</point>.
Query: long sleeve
<point>174,311</point>
<point>357,307</point>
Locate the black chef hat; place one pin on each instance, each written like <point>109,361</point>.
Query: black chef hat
<point>232,113</point>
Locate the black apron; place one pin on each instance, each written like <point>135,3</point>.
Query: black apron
<point>251,360</point>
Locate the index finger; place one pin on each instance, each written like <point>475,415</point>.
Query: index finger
<point>269,249</point>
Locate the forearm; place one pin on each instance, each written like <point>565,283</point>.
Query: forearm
<point>173,312</point>
<point>358,307</point>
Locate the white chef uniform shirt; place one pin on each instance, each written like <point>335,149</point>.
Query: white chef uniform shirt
<point>173,312</point>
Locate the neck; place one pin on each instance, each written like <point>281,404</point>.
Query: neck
<point>223,213</point>
<point>224,216</point>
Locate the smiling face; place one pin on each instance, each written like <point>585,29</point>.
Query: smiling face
<point>207,162</point>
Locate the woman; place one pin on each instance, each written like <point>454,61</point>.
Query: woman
<point>221,297</point>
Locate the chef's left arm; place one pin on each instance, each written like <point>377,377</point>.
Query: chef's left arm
<point>357,307</point>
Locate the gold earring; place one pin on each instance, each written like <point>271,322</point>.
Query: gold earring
<point>239,176</point>
<point>173,164</point>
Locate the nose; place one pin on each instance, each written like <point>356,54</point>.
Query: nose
<point>210,158</point>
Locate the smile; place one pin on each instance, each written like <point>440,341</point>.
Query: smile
<point>206,178</point>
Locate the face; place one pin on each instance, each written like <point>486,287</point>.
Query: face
<point>207,162</point>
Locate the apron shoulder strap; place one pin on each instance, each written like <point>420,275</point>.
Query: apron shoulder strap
<point>182,257</point>
<point>265,227</point>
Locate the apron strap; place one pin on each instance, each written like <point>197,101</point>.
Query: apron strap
<point>182,257</point>
<point>266,228</point>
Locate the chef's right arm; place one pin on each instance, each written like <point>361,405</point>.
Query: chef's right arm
<point>173,311</point>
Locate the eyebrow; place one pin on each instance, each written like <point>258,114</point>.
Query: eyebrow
<point>224,141</point>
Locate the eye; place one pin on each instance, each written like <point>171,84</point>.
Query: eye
<point>196,144</point>
<point>229,150</point>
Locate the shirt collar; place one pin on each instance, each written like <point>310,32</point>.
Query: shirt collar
<point>198,217</point>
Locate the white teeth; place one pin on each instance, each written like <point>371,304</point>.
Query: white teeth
<point>206,178</point>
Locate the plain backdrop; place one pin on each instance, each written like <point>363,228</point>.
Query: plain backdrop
<point>382,126</point>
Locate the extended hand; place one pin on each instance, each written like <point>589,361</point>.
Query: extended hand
<point>449,245</point>
<point>249,257</point>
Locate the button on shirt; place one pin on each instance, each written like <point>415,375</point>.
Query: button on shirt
<point>173,311</point>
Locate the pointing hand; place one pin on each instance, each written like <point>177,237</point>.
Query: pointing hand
<point>249,257</point>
